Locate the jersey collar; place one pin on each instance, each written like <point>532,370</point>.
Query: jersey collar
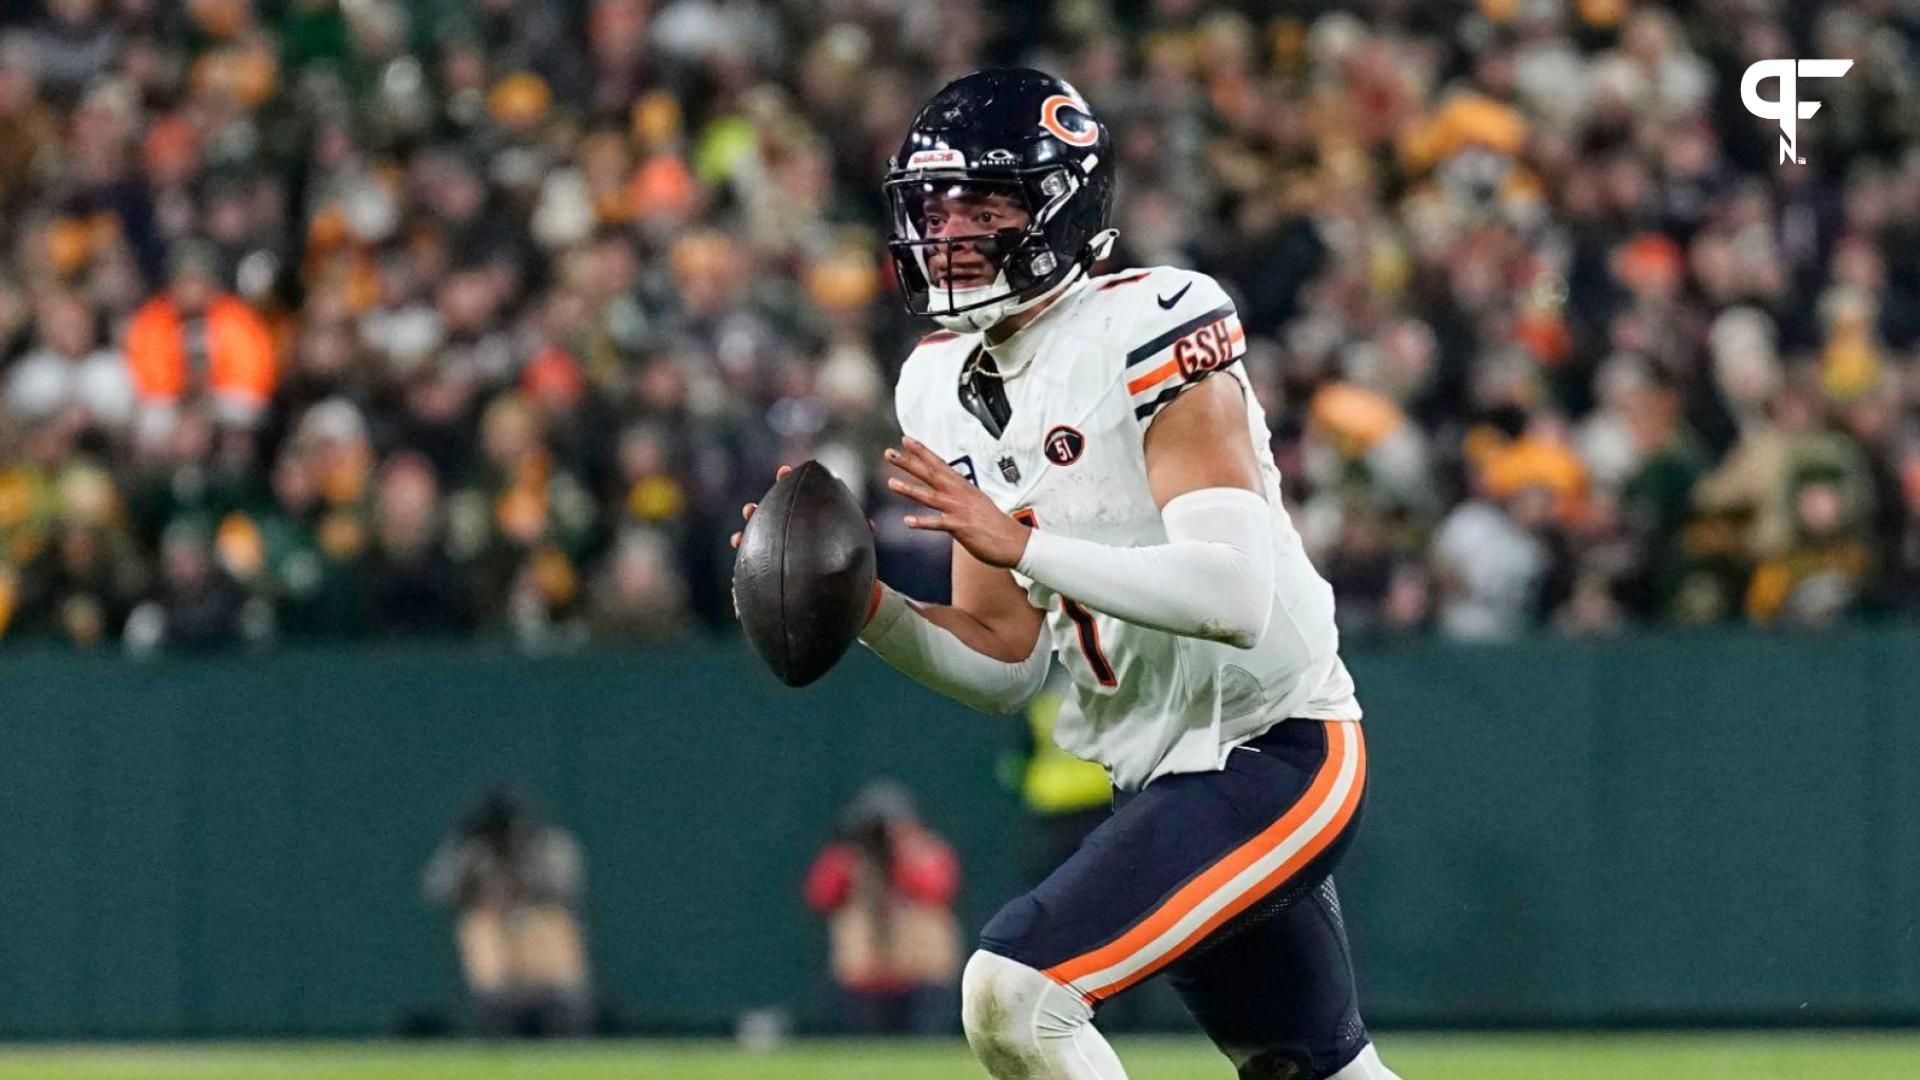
<point>1016,352</point>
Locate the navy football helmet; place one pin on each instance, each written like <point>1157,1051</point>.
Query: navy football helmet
<point>1017,140</point>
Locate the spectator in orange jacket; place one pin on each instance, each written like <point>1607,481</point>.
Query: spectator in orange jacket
<point>886,886</point>
<point>194,342</point>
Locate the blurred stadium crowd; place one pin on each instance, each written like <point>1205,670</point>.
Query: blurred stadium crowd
<point>349,317</point>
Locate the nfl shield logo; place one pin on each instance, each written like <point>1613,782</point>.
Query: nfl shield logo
<point>1009,470</point>
<point>1064,445</point>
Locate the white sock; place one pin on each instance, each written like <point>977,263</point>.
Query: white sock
<point>1365,1067</point>
<point>1024,1026</point>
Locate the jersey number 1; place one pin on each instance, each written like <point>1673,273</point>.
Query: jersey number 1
<point>1082,618</point>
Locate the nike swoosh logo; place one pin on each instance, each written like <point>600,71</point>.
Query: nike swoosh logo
<point>1167,302</point>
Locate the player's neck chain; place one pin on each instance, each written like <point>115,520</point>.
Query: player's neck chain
<point>982,365</point>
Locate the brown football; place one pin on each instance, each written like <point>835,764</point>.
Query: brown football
<point>804,575</point>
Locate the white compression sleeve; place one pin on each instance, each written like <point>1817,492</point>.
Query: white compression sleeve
<point>1213,578</point>
<point>932,656</point>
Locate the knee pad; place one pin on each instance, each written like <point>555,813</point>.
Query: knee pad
<point>1011,1009</point>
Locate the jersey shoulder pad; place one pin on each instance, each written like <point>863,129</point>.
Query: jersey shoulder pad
<point>1185,329</point>
<point>932,367</point>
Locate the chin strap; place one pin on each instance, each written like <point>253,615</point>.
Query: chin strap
<point>986,316</point>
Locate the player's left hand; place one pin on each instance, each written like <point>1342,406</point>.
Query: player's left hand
<point>964,511</point>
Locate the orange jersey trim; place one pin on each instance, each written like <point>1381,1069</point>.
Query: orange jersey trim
<point>1237,338</point>
<point>1153,376</point>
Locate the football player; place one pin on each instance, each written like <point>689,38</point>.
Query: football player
<point>1095,450</point>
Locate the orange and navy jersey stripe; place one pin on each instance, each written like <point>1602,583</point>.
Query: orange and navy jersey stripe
<point>1157,371</point>
<point>1255,870</point>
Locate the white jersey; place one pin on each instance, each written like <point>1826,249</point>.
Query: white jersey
<point>1085,381</point>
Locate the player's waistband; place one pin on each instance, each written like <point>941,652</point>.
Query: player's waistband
<point>1296,738</point>
<point>1294,731</point>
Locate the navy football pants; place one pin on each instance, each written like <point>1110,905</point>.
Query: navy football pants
<point>1221,881</point>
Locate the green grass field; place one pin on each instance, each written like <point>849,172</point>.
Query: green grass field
<point>1838,1056</point>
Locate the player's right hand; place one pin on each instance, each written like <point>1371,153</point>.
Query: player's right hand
<point>746,512</point>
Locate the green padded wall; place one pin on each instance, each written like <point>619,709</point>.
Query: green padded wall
<point>1673,830</point>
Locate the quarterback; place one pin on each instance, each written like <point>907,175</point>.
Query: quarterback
<point>1095,450</point>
